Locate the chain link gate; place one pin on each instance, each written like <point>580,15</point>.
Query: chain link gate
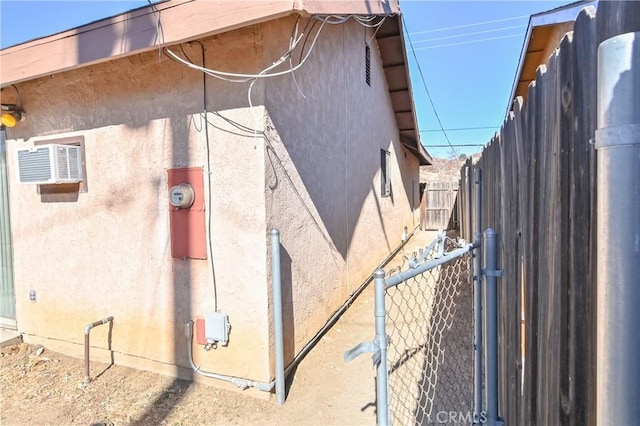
<point>424,347</point>
<point>430,326</point>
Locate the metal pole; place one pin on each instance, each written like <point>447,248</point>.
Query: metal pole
<point>491,293</point>
<point>382,397</point>
<point>467,223</point>
<point>618,231</point>
<point>477,303</point>
<point>277,315</point>
<point>491,272</point>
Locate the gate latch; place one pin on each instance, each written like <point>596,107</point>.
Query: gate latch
<point>499,273</point>
<point>365,347</point>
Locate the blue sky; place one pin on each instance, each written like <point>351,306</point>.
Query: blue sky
<point>468,52</point>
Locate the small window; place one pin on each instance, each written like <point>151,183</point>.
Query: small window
<point>384,173</point>
<point>367,64</point>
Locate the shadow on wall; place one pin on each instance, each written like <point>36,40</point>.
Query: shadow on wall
<point>92,46</point>
<point>162,406</point>
<point>132,91</point>
<point>288,316</point>
<point>333,134</point>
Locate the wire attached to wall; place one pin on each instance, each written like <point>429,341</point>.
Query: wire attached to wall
<point>159,38</point>
<point>372,21</point>
<point>208,171</point>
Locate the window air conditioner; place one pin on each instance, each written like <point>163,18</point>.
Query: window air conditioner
<point>51,163</point>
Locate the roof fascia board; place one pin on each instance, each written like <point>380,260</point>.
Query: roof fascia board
<point>133,33</point>
<point>136,31</point>
<point>556,16</point>
<point>423,154</point>
<point>349,7</point>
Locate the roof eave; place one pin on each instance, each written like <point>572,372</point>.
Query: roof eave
<point>556,16</point>
<point>138,31</point>
<point>393,52</point>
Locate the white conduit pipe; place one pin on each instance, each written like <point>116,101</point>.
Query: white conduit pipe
<point>237,381</point>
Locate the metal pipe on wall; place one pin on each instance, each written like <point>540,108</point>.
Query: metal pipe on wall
<point>277,316</point>
<point>618,231</point>
<point>280,373</point>
<point>87,331</point>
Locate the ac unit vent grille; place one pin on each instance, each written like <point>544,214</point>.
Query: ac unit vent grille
<point>34,166</point>
<point>46,164</point>
<point>74,163</point>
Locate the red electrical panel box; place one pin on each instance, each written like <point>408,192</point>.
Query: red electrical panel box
<point>188,230</point>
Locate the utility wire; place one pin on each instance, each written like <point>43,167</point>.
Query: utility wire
<point>459,129</point>
<point>493,30</point>
<point>469,42</point>
<point>424,83</point>
<point>474,24</point>
<point>457,145</point>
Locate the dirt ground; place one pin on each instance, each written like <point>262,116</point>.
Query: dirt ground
<point>38,386</point>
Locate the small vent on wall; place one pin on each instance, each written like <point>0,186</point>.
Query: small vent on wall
<point>367,64</point>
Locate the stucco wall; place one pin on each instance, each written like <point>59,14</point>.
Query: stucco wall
<point>323,173</point>
<point>108,253</point>
<point>315,175</point>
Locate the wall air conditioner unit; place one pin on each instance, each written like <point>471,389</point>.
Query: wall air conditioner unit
<point>51,163</point>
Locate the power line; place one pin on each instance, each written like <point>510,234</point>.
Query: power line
<point>457,145</point>
<point>493,30</point>
<point>469,42</point>
<point>424,83</point>
<point>459,129</point>
<point>474,24</point>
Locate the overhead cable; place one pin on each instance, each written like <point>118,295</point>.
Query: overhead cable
<point>424,83</point>
<point>493,30</point>
<point>474,24</point>
<point>470,42</point>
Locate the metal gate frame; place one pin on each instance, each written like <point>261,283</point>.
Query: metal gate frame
<point>485,380</point>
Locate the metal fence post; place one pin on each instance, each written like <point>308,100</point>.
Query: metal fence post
<point>492,273</point>
<point>277,316</point>
<point>477,302</point>
<point>618,231</point>
<point>382,374</point>
<point>468,225</point>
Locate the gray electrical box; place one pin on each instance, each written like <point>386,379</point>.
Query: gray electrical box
<point>216,328</point>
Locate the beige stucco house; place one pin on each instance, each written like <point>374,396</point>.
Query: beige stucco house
<point>328,154</point>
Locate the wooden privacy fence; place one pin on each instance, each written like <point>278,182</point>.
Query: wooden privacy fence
<point>437,205</point>
<point>538,192</point>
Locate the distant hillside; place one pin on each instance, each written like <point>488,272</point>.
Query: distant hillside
<point>443,170</point>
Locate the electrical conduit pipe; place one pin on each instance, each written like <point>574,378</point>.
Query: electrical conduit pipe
<point>277,327</point>
<point>281,375</point>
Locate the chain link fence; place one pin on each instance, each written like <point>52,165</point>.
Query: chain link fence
<point>430,353</point>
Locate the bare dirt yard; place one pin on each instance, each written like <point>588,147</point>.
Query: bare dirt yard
<point>38,386</point>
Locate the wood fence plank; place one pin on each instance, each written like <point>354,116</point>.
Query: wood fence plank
<point>582,214</point>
